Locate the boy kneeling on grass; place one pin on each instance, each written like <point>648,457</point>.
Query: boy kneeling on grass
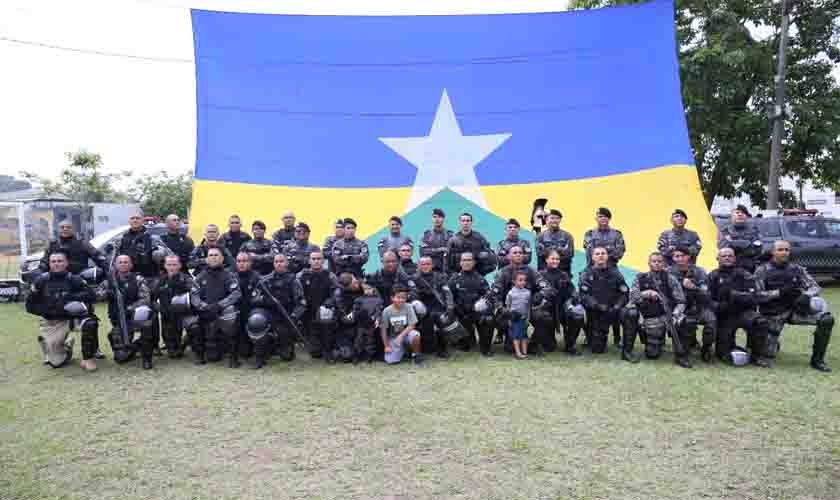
<point>398,333</point>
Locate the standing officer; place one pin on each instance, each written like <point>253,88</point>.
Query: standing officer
<point>679,237</point>
<point>330,241</point>
<point>180,244</point>
<point>235,237</point>
<point>173,292</point>
<point>350,254</point>
<point>743,238</point>
<point>77,251</point>
<point>794,299</point>
<point>320,287</point>
<point>433,291</point>
<point>280,289</point>
<point>604,294</point>
<point>511,240</point>
<point>695,284</point>
<point>467,240</point>
<point>734,294</point>
<point>198,258</point>
<point>554,238</point>
<point>563,308</point>
<point>215,297</point>
<point>395,240</point>
<point>299,250</point>
<point>287,232</point>
<point>468,288</point>
<point>605,237</point>
<point>248,280</point>
<point>260,249</point>
<point>435,241</point>
<point>60,298</point>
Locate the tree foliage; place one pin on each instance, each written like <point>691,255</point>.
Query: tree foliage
<point>727,75</point>
<point>84,180</point>
<point>159,194</point>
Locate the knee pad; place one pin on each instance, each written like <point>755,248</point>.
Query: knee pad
<point>123,352</point>
<point>825,322</point>
<point>89,328</point>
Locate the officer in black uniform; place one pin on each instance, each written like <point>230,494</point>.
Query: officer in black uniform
<point>435,241</point>
<point>468,289</point>
<point>794,298</point>
<point>248,280</point>
<point>467,240</point>
<point>385,279</point>
<point>563,308</point>
<point>554,238</point>
<point>60,299</point>
<point>406,263</point>
<point>511,240</point>
<point>198,258</point>
<point>286,233</point>
<point>175,310</point>
<point>613,240</point>
<point>433,291</point>
<point>367,307</point>
<point>77,251</point>
<point>743,237</point>
<point>260,249</point>
<point>215,298</point>
<point>330,241</point>
<point>679,237</point>
<point>235,237</point>
<point>393,241</point>
<point>350,254</point>
<point>299,249</point>
<point>180,244</point>
<point>320,287</point>
<point>695,284</point>
<point>734,294</point>
<point>284,288</point>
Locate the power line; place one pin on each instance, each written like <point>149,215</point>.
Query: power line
<point>93,52</point>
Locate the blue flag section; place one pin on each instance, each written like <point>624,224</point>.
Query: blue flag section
<point>368,117</point>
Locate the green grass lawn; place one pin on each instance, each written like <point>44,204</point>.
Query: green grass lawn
<point>469,428</point>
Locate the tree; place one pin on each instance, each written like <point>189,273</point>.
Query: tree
<point>9,183</point>
<point>727,78</point>
<point>160,194</point>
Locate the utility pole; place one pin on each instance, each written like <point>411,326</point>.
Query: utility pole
<point>777,116</point>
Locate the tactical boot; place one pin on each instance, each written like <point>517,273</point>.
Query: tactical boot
<point>820,366</point>
<point>487,354</point>
<point>147,363</point>
<point>616,339</point>
<point>761,362</point>
<point>773,345</point>
<point>234,360</point>
<point>630,356</point>
<point>200,359</point>
<point>682,361</point>
<point>706,354</point>
<point>259,361</point>
<point>821,339</point>
<point>99,354</point>
<point>418,360</point>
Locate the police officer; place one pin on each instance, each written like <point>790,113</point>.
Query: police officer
<point>554,238</point>
<point>605,237</point>
<point>320,287</point>
<point>235,237</point>
<point>173,292</point>
<point>248,280</point>
<point>563,308</point>
<point>385,279</point>
<point>198,258</point>
<point>742,237</point>
<point>435,241</point>
<point>468,287</point>
<point>406,263</point>
<point>215,297</point>
<point>467,240</point>
<point>137,301</point>
<point>180,244</point>
<point>511,240</point>
<point>77,251</point>
<point>145,250</point>
<point>794,299</point>
<point>287,232</point>
<point>395,239</point>
<point>660,300</point>
<point>260,249</point>
<point>695,284</point>
<point>280,289</point>
<point>350,254</point>
<point>679,237</point>
<point>299,249</point>
<point>330,240</point>
<point>734,293</point>
<point>61,299</point>
<point>604,294</point>
<point>355,325</point>
<point>433,291</point>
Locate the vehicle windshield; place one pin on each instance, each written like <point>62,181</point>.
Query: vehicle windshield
<point>820,229</point>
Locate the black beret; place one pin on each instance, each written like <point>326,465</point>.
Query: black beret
<point>438,212</point>
<point>350,222</point>
<point>679,211</point>
<point>512,222</point>
<point>605,212</point>
<point>556,212</point>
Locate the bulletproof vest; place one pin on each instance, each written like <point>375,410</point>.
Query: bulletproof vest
<point>691,296</point>
<point>554,241</point>
<point>408,267</point>
<point>561,282</point>
<point>138,246</point>
<point>348,298</point>
<point>393,243</point>
<point>172,286</point>
<point>425,283</point>
<point>775,279</point>
<point>468,288</point>
<point>247,283</point>
<point>298,253</point>
<point>469,243</point>
<point>179,245</point>
<point>606,286</point>
<point>74,248</point>
<point>280,286</point>
<point>283,235</point>
<point>436,239</point>
<point>130,291</point>
<point>652,309</point>
<point>260,247</point>
<point>234,241</point>
<point>316,287</point>
<point>54,288</point>
<point>385,282</point>
<point>213,283</point>
<point>368,307</point>
<point>347,247</point>
<point>747,234</point>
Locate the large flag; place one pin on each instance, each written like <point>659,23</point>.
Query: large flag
<point>373,116</point>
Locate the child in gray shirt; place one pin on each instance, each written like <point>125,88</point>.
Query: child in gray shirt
<point>518,304</point>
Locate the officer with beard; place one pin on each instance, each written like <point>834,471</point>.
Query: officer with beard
<point>406,264</point>
<point>606,237</point>
<point>793,299</point>
<point>138,314</point>
<point>286,233</point>
<point>180,244</point>
<point>467,240</point>
<point>679,237</point>
<point>215,297</point>
<point>554,238</point>
<point>235,237</point>
<point>281,287</point>
<point>604,294</point>
<point>742,237</point>
<point>350,254</point>
<point>511,240</point>
<point>433,291</point>
<point>541,291</point>
<point>660,300</point>
<point>175,311</point>
<point>563,308</point>
<point>395,240</point>
<point>734,295</point>
<point>260,249</point>
<point>299,249</point>
<point>435,241</point>
<point>60,299</point>
<point>468,287</point>
<point>695,284</point>
<point>198,259</point>
<point>77,251</point>
<point>320,287</point>
<point>248,281</point>
<point>329,242</point>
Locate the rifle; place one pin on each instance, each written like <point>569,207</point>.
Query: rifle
<point>670,327</point>
<point>285,314</point>
<point>120,300</point>
<point>437,296</point>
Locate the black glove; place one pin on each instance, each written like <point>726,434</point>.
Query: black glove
<point>803,303</point>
